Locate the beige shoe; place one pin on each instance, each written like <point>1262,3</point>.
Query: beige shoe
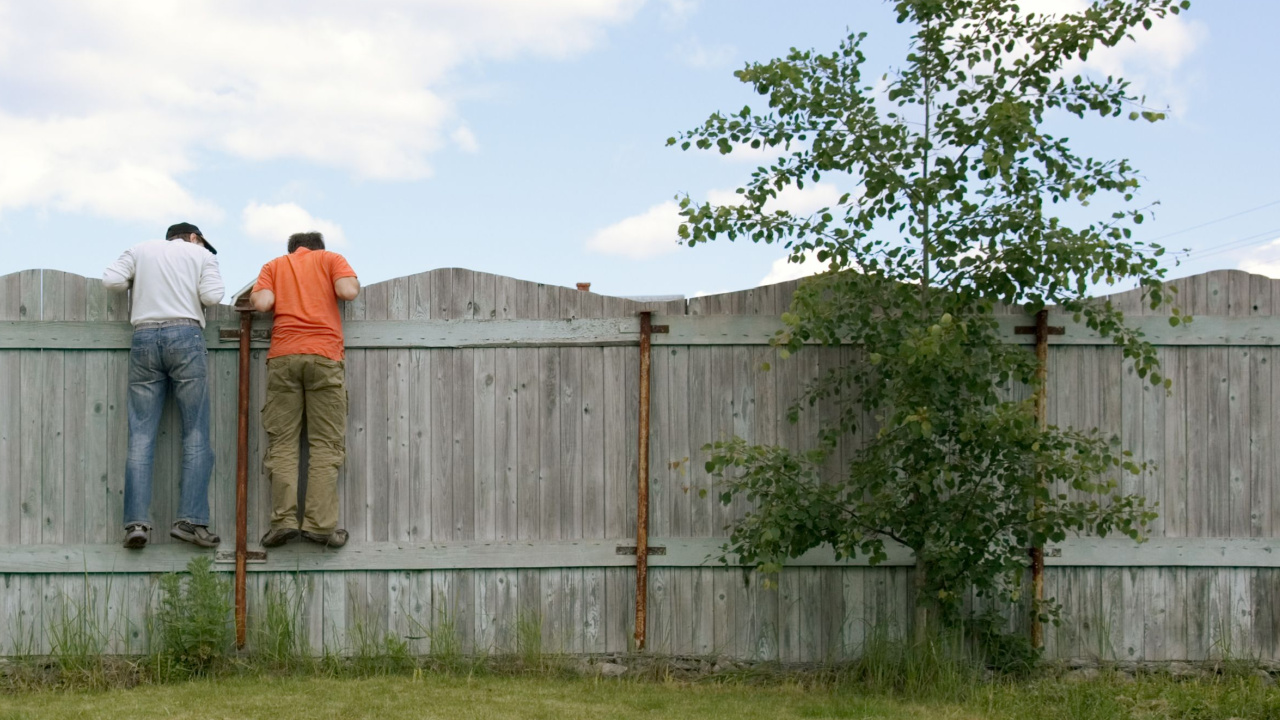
<point>335,539</point>
<point>276,537</point>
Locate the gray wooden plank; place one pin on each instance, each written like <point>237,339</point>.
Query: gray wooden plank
<point>572,404</point>
<point>1154,612</point>
<point>99,525</point>
<point>506,435</point>
<point>399,412</point>
<point>660,478</point>
<point>549,432</point>
<point>1265,612</point>
<point>1216,428</point>
<point>52,462</point>
<point>1218,471</point>
<point>659,628</point>
<point>631,379</point>
<point>442,444</point>
<point>1261,419</point>
<point>10,436</point>
<point>423,432</point>
<point>333,587</point>
<point>523,301</point>
<point>679,449</point>
<point>1273,460</point>
<point>615,442</point>
<point>593,447</point>
<point>1176,447</point>
<point>573,608</point>
<point>619,609</point>
<point>224,370</point>
<point>594,609</point>
<point>527,444</point>
<point>1133,626</point>
<point>701,496</point>
<point>464,446</point>
<point>377,611</point>
<point>1243,643</point>
<point>1176,629</point>
<point>1240,509</point>
<point>484,393</point>
<point>356,481</point>
<point>1199,611</point>
<point>75,418</point>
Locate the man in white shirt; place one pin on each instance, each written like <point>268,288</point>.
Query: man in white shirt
<point>172,282</point>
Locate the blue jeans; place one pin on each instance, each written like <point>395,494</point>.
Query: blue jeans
<point>158,357</point>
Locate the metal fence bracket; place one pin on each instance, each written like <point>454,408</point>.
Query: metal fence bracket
<point>229,556</point>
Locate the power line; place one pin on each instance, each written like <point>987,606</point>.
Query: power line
<point>1237,244</point>
<point>1218,220</point>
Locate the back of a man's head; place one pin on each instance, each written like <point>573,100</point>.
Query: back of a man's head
<point>308,240</point>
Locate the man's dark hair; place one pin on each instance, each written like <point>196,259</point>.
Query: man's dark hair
<point>308,240</point>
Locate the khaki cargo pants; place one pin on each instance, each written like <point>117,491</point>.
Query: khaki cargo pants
<point>316,386</point>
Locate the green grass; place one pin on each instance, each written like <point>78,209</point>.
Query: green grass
<point>489,696</point>
<point>455,697</point>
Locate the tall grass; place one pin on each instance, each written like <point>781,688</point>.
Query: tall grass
<point>375,651</point>
<point>280,638</point>
<point>529,639</point>
<point>78,631</point>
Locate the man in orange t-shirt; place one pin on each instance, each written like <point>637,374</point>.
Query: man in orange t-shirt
<point>305,378</point>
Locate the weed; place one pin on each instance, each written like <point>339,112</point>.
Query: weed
<point>378,653</point>
<point>1010,654</point>
<point>78,632</point>
<point>191,629</point>
<point>940,666</point>
<point>444,641</point>
<point>529,639</point>
<point>280,640</point>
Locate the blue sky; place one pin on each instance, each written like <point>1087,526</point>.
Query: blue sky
<point>518,137</point>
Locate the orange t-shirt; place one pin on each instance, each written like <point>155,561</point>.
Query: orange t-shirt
<point>307,318</point>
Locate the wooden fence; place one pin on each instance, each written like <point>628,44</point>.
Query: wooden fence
<point>490,483</point>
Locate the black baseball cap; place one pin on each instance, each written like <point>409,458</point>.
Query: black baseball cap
<point>186,228</point>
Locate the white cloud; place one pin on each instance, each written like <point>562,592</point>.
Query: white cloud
<point>1264,261</point>
<point>1152,62</point>
<point>703,57</point>
<point>649,234</point>
<point>797,201</point>
<point>120,165</point>
<point>783,269</point>
<point>275,223</point>
<point>465,140</point>
<point>104,106</point>
<point>656,231</point>
<point>678,12</point>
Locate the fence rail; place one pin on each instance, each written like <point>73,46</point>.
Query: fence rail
<point>693,331</point>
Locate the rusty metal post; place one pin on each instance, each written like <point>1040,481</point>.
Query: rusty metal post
<point>242,477</point>
<point>642,492</point>
<point>1042,420</point>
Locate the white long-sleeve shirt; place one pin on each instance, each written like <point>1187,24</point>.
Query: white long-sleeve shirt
<point>171,280</point>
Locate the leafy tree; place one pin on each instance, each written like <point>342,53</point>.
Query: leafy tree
<point>955,205</point>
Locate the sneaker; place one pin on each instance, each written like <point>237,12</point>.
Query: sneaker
<point>276,537</point>
<point>194,534</point>
<point>335,539</point>
<point>136,536</point>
